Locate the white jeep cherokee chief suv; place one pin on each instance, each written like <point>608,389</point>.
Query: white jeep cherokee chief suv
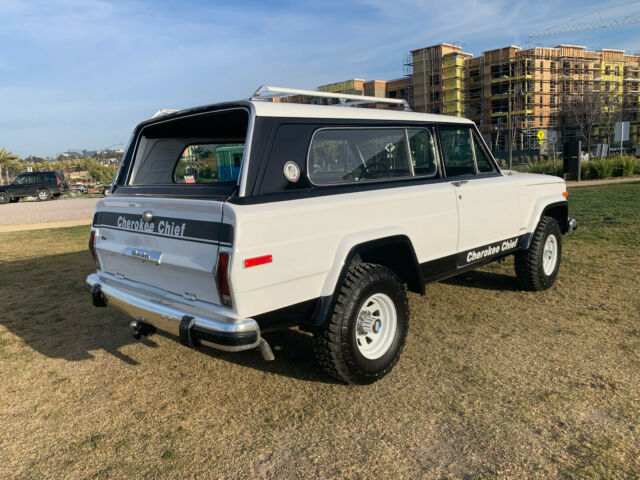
<point>230,220</point>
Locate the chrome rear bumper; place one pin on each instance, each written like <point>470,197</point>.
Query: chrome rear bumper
<point>190,324</point>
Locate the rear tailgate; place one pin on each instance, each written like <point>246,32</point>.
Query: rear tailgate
<point>167,243</point>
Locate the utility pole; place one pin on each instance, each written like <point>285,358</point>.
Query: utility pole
<point>509,122</point>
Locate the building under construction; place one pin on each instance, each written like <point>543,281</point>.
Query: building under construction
<point>566,92</point>
<point>438,78</point>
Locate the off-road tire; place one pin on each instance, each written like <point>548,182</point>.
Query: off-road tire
<point>530,273</point>
<point>4,198</point>
<point>43,195</point>
<point>335,346</point>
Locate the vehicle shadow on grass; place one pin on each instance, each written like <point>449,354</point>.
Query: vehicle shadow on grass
<point>292,349</point>
<point>484,280</point>
<point>43,302</point>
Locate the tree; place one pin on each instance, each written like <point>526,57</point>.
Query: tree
<point>584,111</point>
<point>101,174</point>
<point>6,160</point>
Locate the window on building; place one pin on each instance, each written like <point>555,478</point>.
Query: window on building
<point>434,80</point>
<point>435,96</point>
<point>435,110</point>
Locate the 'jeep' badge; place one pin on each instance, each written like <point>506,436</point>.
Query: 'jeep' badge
<point>291,171</point>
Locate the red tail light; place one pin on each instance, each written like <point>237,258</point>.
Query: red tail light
<point>222,279</point>
<point>58,180</point>
<point>92,249</point>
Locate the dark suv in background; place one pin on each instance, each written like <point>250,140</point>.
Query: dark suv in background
<point>42,185</point>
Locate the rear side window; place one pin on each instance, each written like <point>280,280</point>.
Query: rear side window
<point>462,152</point>
<point>358,155</point>
<point>48,177</point>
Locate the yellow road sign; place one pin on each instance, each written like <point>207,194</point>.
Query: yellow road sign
<point>540,142</point>
<point>540,134</point>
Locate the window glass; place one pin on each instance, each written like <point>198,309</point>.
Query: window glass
<point>457,150</point>
<point>48,177</point>
<point>423,154</point>
<point>21,180</point>
<point>208,163</point>
<point>482,160</point>
<point>358,155</point>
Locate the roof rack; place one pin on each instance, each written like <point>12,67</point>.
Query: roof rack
<point>346,100</point>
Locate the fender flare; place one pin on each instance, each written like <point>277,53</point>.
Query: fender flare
<point>326,303</point>
<point>528,237</point>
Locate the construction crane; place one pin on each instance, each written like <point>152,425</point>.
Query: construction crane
<point>631,19</point>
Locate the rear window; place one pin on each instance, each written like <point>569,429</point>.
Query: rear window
<point>210,162</point>
<point>199,149</point>
<point>358,155</point>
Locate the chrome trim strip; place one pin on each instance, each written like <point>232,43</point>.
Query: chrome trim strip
<point>167,316</point>
<point>244,170</point>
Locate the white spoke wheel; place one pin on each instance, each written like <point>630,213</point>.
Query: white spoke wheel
<point>376,326</point>
<point>364,335</point>
<point>537,267</point>
<point>550,254</point>
<point>43,195</point>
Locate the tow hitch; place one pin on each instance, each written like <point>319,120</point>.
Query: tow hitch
<point>139,328</point>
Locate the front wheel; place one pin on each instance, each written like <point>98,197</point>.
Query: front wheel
<point>4,198</point>
<point>366,332</point>
<point>537,267</point>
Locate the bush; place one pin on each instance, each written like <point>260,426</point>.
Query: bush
<point>542,167</point>
<point>629,165</point>
<point>601,167</point>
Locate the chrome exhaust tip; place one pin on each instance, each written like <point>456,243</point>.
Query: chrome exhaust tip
<point>265,351</point>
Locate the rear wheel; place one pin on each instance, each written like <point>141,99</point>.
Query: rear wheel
<point>367,330</point>
<point>4,198</point>
<point>43,195</point>
<point>537,267</point>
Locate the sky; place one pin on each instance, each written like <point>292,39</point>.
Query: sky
<point>82,73</point>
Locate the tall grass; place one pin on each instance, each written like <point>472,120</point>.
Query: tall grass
<point>601,167</point>
<point>627,165</point>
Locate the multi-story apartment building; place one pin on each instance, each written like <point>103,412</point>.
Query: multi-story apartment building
<point>396,88</point>
<point>567,92</point>
<point>438,79</point>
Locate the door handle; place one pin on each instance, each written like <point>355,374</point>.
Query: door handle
<point>459,183</point>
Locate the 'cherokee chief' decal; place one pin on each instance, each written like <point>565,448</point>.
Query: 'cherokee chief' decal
<point>488,251</point>
<point>182,228</point>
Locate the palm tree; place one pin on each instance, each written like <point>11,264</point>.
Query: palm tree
<point>6,159</point>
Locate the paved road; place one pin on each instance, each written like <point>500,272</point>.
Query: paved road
<point>26,215</point>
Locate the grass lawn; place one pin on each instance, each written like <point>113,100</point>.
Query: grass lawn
<point>493,382</point>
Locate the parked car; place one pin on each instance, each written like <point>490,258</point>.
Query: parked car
<point>42,185</point>
<point>99,190</point>
<point>79,188</point>
<point>330,216</point>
